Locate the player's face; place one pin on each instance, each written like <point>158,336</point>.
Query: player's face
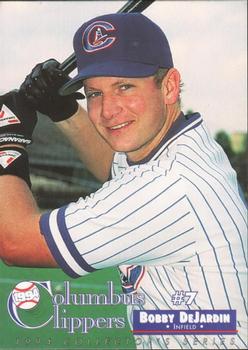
<point>129,113</point>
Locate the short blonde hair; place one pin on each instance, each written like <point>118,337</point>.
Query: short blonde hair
<point>159,77</point>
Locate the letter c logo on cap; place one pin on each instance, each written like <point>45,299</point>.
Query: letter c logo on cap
<point>97,36</point>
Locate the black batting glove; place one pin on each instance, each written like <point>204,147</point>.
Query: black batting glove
<point>17,119</point>
<point>41,88</point>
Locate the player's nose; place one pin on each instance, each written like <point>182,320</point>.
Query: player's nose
<point>111,106</point>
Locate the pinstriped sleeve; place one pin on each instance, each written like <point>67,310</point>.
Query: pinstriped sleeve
<point>140,217</point>
<point>61,245</point>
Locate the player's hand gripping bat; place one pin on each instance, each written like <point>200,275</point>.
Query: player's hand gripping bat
<point>41,86</point>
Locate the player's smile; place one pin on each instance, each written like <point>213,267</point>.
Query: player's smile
<point>129,113</point>
<point>119,126</point>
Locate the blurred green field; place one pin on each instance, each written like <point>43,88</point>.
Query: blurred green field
<point>13,336</point>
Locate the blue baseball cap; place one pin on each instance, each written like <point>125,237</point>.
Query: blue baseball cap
<point>122,45</point>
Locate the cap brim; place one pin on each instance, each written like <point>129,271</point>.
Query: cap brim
<point>108,69</point>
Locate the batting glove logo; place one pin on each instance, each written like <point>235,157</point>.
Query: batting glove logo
<point>7,117</point>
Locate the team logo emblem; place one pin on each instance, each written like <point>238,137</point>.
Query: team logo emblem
<point>7,117</point>
<point>131,277</point>
<point>97,36</point>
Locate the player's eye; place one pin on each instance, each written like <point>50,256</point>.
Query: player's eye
<point>92,94</point>
<point>125,87</point>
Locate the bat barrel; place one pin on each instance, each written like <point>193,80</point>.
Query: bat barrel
<point>70,63</point>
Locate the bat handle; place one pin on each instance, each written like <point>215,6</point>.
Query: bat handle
<point>69,64</point>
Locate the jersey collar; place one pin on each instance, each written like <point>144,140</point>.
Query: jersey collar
<point>181,125</point>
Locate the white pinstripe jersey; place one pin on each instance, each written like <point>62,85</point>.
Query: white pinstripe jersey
<point>175,221</point>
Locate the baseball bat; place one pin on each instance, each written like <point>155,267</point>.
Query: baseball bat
<point>70,63</point>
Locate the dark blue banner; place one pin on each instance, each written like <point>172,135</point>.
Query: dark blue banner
<point>184,322</point>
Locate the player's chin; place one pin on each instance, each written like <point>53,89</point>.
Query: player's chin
<point>133,152</point>
<point>119,148</point>
<point>119,143</point>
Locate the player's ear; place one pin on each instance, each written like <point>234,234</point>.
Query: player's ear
<point>171,86</point>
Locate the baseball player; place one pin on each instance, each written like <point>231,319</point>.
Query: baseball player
<point>168,215</point>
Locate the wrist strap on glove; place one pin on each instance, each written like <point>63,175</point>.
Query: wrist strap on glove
<point>17,119</point>
<point>14,138</point>
<point>14,161</point>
